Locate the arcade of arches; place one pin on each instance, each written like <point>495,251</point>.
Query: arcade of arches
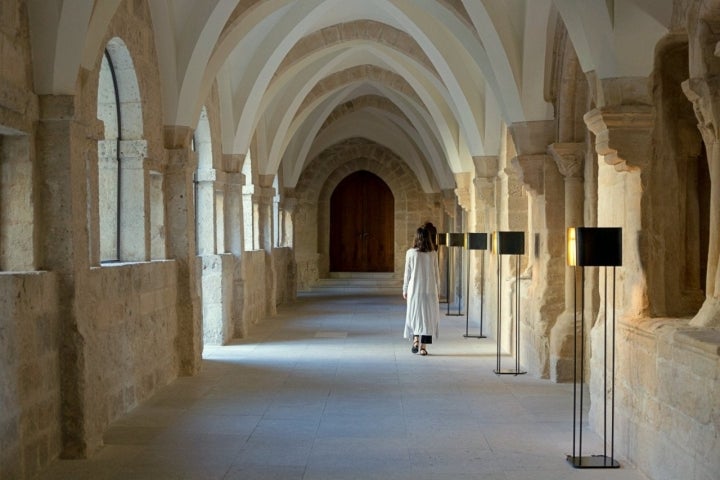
<point>172,171</point>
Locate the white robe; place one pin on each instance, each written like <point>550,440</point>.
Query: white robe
<point>421,287</point>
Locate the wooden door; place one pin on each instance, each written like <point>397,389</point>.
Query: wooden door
<point>362,224</point>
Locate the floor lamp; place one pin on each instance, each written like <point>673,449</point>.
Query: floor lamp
<point>441,241</point>
<point>508,243</point>
<point>594,247</point>
<point>455,240</point>
<point>475,241</point>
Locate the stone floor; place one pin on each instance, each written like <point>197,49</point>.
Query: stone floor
<point>328,389</point>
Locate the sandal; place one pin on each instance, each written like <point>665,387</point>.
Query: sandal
<point>415,345</point>
<point>423,352</point>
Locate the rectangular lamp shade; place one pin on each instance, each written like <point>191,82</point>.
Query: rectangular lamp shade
<point>595,246</point>
<point>508,243</point>
<point>476,241</point>
<point>442,239</point>
<point>456,239</point>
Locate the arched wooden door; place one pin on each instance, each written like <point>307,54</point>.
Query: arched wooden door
<point>362,225</point>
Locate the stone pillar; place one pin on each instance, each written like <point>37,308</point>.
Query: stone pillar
<point>623,136</point>
<point>205,207</point>
<point>63,246</point>
<point>704,93</point>
<point>134,221</point>
<point>543,255</point>
<point>181,164</point>
<point>265,200</point>
<point>233,203</point>
<point>569,160</point>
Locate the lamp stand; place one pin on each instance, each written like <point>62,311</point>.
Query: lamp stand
<point>577,460</point>
<point>458,314</point>
<point>446,274</point>
<point>498,368</point>
<point>482,297</point>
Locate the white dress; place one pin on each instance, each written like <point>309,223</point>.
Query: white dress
<point>421,286</point>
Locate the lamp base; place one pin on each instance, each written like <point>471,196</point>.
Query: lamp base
<point>505,371</point>
<point>593,461</point>
<point>454,314</point>
<point>473,336</point>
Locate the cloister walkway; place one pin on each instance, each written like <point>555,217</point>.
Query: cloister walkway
<point>328,389</point>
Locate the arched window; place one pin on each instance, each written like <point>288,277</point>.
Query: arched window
<point>122,215</point>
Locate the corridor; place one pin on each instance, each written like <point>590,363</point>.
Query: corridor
<point>328,389</point>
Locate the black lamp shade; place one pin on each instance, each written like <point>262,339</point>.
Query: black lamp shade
<point>509,243</point>
<point>456,239</point>
<point>476,241</point>
<point>599,246</point>
<point>442,239</point>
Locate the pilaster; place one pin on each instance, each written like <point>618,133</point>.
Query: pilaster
<point>181,165</point>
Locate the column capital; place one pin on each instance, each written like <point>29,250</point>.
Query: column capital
<point>704,93</point>
<point>530,169</point>
<point>486,166</point>
<point>177,136</point>
<point>569,158</point>
<point>623,134</point>
<point>233,162</point>
<point>485,189</point>
<point>463,181</point>
<point>449,202</point>
<point>531,138</point>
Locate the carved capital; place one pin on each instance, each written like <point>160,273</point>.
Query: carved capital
<point>704,95</point>
<point>485,190</point>
<point>463,182</point>
<point>233,162</point>
<point>569,158</point>
<point>622,135</point>
<point>530,170</point>
<point>449,202</point>
<point>486,166</point>
<point>532,138</point>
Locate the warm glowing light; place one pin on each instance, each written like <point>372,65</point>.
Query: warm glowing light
<point>572,246</point>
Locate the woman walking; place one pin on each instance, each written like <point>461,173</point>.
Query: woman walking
<point>420,289</point>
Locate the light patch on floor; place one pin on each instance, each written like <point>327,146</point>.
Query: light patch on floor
<point>331,335</point>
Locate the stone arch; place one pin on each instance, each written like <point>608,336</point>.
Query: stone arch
<point>356,30</point>
<point>324,173</point>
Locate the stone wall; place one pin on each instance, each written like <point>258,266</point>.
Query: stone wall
<point>30,433</point>
<point>285,273</point>
<point>254,296</point>
<point>127,317</point>
<point>667,391</point>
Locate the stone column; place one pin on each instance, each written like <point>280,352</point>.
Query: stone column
<point>181,164</point>
<point>704,93</point>
<point>569,160</point>
<point>205,207</point>
<point>134,221</point>
<point>623,136</point>
<point>62,216</point>
<point>265,199</point>
<point>543,255</point>
<point>233,203</point>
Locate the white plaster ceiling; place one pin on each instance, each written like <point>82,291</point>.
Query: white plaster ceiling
<point>452,71</point>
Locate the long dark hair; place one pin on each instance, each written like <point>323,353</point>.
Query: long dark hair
<point>432,233</point>
<point>422,240</point>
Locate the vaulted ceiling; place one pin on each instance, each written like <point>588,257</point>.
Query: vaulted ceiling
<point>432,80</point>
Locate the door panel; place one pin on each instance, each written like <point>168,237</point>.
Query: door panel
<point>362,224</point>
